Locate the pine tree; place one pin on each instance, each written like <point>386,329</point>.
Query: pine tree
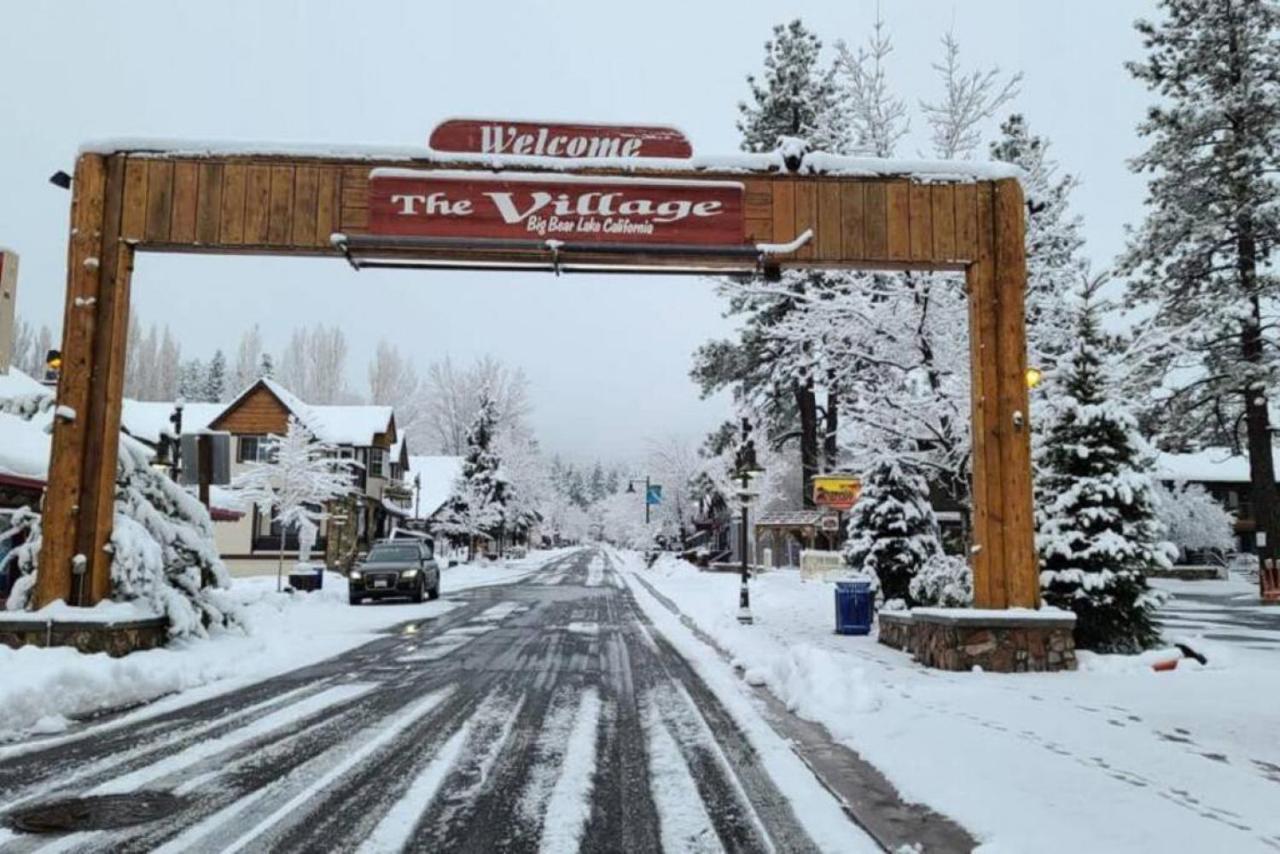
<point>796,97</point>
<point>267,367</point>
<point>1098,532</point>
<point>215,380</point>
<point>1204,259</point>
<point>478,504</point>
<point>192,380</point>
<point>1054,239</point>
<point>893,532</point>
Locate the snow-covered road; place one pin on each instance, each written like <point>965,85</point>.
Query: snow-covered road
<point>547,715</point>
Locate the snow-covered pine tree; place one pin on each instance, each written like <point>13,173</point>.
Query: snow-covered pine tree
<point>193,381</point>
<point>266,367</point>
<point>1205,257</point>
<point>1098,532</point>
<point>295,484</point>
<point>478,504</point>
<point>795,98</point>
<point>215,378</point>
<point>893,531</point>
<point>1054,239</point>
<point>163,553</point>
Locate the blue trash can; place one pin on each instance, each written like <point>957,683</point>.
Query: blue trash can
<point>855,607</point>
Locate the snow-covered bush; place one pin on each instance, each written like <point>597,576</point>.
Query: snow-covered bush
<point>1193,519</point>
<point>893,532</point>
<point>163,549</point>
<point>945,581</point>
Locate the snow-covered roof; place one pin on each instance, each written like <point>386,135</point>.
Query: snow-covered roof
<point>1209,465</point>
<point>15,383</point>
<point>773,161</point>
<point>148,420</point>
<point>438,476</point>
<point>24,446</point>
<point>337,424</point>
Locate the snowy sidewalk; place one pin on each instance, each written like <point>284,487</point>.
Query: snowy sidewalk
<point>42,691</point>
<point>1114,757</point>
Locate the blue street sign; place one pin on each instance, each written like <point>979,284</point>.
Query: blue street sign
<point>653,495</point>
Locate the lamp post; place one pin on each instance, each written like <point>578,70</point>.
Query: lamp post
<point>417,497</point>
<point>631,490</point>
<point>175,418</point>
<point>747,468</point>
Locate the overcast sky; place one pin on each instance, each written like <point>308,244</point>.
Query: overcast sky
<point>608,358</point>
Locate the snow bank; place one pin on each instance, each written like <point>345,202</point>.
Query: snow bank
<point>1114,757</point>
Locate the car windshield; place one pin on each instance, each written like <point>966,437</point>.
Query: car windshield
<point>393,553</point>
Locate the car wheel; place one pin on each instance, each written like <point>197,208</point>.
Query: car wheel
<point>418,591</point>
<point>354,600</point>
<point>434,592</point>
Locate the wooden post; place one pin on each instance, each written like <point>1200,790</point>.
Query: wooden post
<point>204,463</point>
<point>1004,561</point>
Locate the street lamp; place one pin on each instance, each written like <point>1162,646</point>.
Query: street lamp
<point>1034,377</point>
<point>175,418</point>
<point>631,490</point>
<point>747,468</point>
<point>417,496</point>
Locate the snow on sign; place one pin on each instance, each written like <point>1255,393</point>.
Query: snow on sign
<point>550,139</point>
<point>542,206</point>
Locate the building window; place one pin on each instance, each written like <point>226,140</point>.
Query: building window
<point>253,449</point>
<point>377,462</point>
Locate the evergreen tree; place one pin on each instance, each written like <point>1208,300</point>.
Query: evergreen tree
<point>215,380</point>
<point>1096,517</point>
<point>795,98</point>
<point>478,504</point>
<point>192,380</point>
<point>893,532</point>
<point>1054,239</point>
<point>1204,260</point>
<point>598,488</point>
<point>267,367</point>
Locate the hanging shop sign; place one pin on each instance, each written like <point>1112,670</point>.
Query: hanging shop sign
<point>837,491</point>
<point>555,139</point>
<point>552,206</point>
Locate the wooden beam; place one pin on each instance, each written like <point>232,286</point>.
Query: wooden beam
<point>988,544</point>
<point>1021,575</point>
<point>62,519</point>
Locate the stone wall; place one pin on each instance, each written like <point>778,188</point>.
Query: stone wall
<point>997,641</point>
<point>115,639</point>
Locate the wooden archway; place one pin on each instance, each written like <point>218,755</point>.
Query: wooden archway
<point>169,200</point>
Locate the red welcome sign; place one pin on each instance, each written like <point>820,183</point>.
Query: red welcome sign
<point>548,206</point>
<point>553,139</point>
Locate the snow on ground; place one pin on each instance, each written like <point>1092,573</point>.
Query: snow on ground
<point>1113,757</point>
<point>42,690</point>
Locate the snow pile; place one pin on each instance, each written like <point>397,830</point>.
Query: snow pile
<point>1081,754</point>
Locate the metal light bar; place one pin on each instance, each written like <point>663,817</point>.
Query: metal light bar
<point>759,254</point>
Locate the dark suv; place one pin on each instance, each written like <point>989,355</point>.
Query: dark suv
<point>400,568</point>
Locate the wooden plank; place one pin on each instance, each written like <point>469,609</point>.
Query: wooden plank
<point>209,206</point>
<point>328,203</point>
<point>182,229</point>
<point>134,223</point>
<point>920,203</point>
<point>280,227</point>
<point>757,200</point>
<point>306,192</point>
<point>1021,578</point>
<point>759,230</point>
<point>257,204</point>
<point>784,211</point>
<point>898,220</point>
<point>806,216</point>
<point>944,222</point>
<point>60,517</point>
<point>830,229</point>
<point>877,221</point>
<point>231,215</point>
<point>159,200</point>
<point>966,221</point>
<point>853,220</point>
<point>355,220</point>
<point>988,540</point>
